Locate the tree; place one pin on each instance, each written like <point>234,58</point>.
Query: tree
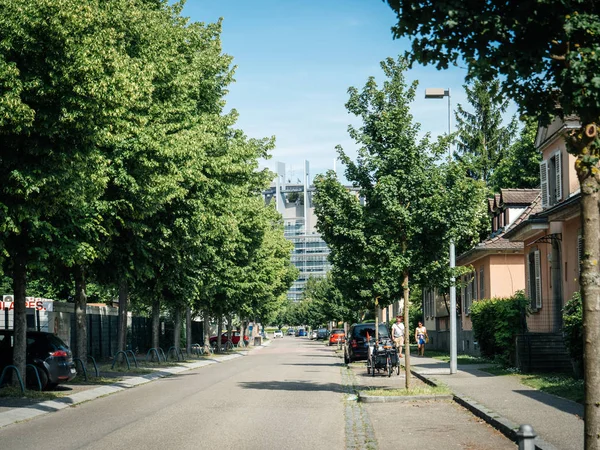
<point>520,168</point>
<point>547,57</point>
<point>482,139</point>
<point>61,100</point>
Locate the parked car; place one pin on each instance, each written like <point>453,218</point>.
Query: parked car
<point>313,334</point>
<point>47,352</point>
<point>322,333</point>
<point>337,334</point>
<point>291,332</point>
<point>278,334</point>
<point>235,338</point>
<point>301,332</point>
<point>356,347</point>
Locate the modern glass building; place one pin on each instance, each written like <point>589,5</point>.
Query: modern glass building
<point>294,202</point>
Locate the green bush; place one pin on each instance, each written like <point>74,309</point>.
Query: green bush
<point>496,322</point>
<point>573,330</point>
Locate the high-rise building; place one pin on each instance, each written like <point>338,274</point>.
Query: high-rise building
<point>295,203</point>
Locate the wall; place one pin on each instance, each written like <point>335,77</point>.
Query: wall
<point>507,275</point>
<point>569,245</point>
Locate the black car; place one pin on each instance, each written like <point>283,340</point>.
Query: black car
<point>356,347</point>
<point>322,333</point>
<point>46,351</point>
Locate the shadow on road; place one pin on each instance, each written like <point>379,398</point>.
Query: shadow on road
<point>293,386</point>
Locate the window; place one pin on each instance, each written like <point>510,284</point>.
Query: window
<point>470,292</point>
<point>551,179</point>
<point>534,282</point>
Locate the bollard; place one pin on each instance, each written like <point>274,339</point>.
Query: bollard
<point>526,437</point>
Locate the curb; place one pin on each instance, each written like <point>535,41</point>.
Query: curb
<point>363,398</point>
<point>502,424</point>
<point>29,412</point>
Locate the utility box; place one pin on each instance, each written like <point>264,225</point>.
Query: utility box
<point>257,341</point>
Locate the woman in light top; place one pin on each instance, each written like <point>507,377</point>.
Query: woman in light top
<point>421,338</point>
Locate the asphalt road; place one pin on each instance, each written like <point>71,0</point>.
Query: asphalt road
<point>288,395</point>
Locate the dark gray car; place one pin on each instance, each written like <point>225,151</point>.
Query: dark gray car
<point>47,352</point>
<point>357,345</point>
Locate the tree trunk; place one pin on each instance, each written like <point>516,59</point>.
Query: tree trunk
<point>123,308</point>
<point>590,293</point>
<point>188,330</point>
<point>206,330</point>
<point>177,328</point>
<point>156,323</point>
<point>243,330</point>
<point>229,328</point>
<point>219,332</point>
<point>20,313</point>
<point>406,332</point>
<point>80,313</point>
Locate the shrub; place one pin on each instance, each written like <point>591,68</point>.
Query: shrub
<point>573,330</point>
<point>496,322</point>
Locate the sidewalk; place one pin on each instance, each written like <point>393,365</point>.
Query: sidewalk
<point>10,414</point>
<point>505,402</point>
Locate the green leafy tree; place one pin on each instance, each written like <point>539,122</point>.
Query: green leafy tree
<point>520,168</point>
<point>482,140</point>
<point>547,57</point>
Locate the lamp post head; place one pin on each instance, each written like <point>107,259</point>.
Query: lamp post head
<point>437,93</point>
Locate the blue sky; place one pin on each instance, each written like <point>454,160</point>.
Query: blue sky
<point>295,61</point>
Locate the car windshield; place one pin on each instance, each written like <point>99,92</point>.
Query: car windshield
<point>337,332</point>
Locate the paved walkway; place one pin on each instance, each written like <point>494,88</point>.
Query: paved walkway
<point>558,422</point>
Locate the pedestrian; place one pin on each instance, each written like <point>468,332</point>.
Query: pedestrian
<point>421,337</point>
<point>398,334</point>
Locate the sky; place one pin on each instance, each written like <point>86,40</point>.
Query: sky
<point>296,60</point>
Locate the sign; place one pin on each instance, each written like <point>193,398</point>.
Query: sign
<point>37,303</point>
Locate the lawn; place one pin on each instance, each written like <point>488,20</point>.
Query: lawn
<point>420,390</point>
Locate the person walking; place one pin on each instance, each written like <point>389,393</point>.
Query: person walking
<point>421,337</point>
<point>398,334</point>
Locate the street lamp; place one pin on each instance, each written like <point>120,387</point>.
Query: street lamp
<point>440,93</point>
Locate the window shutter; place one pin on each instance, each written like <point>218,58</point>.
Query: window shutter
<point>528,279</point>
<point>474,286</point>
<point>481,284</point>
<point>468,298</point>
<point>559,191</point>
<point>538,280</point>
<point>544,183</point>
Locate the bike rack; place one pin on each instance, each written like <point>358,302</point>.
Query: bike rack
<point>163,354</point>
<point>156,352</point>
<point>134,358</point>
<point>197,350</point>
<point>182,351</point>
<point>95,365</point>
<point>18,376</point>
<point>116,358</point>
<point>176,353</point>
<point>37,374</point>
<point>85,377</point>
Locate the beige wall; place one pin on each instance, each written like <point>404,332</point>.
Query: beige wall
<point>541,320</point>
<point>507,275</point>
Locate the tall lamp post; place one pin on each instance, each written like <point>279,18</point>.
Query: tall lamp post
<point>440,93</point>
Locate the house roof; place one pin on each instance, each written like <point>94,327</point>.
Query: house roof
<point>518,197</point>
<point>527,219</point>
<point>499,243</point>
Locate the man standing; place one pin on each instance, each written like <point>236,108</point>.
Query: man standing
<point>398,334</point>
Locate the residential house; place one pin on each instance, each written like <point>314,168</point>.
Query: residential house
<point>552,242</point>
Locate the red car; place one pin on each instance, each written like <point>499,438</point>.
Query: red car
<point>235,338</point>
<point>337,334</point>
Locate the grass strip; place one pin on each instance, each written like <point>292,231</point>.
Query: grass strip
<point>13,392</point>
<point>421,390</point>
